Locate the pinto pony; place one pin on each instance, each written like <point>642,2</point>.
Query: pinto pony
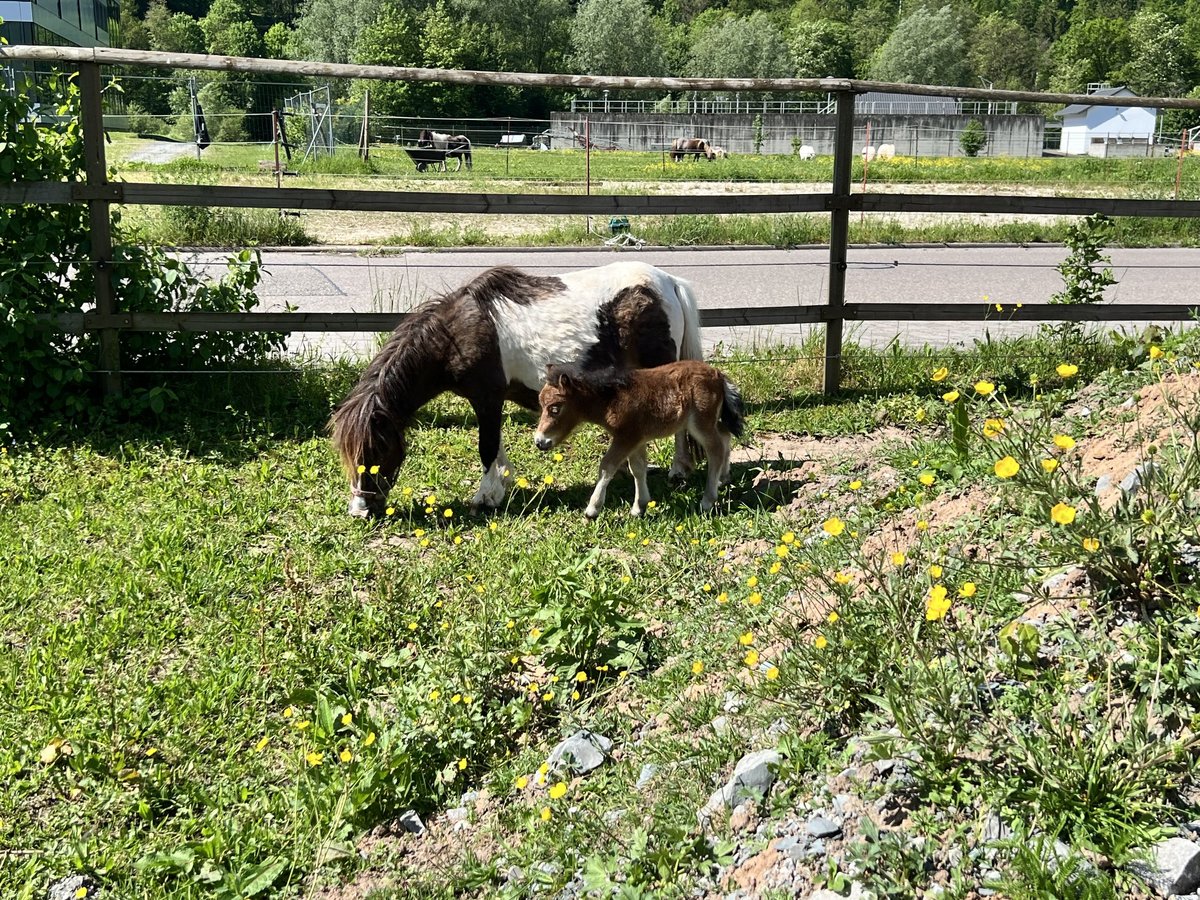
<point>694,147</point>
<point>491,340</point>
<point>636,406</point>
<point>452,146</point>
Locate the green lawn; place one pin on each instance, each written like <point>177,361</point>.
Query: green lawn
<point>218,684</point>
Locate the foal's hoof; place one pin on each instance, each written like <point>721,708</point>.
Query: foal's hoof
<point>591,514</point>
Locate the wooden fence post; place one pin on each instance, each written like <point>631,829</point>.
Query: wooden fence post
<point>99,221</point>
<point>839,239</point>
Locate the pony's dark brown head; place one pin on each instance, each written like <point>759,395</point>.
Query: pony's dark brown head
<point>372,448</point>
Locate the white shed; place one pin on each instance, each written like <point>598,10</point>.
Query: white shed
<point>1089,130</point>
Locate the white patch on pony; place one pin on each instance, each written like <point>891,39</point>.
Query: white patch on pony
<point>533,335</point>
<point>495,483</point>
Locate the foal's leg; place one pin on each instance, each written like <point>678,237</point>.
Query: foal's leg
<point>682,464</point>
<point>496,473</point>
<point>618,451</point>
<point>641,490</point>
<point>716,447</point>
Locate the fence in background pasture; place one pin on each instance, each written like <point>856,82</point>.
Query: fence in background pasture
<point>99,193</point>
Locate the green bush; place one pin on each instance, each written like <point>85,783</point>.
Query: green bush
<point>44,273</point>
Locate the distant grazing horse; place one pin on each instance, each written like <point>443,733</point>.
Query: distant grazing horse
<point>636,406</point>
<point>808,152</point>
<point>693,147</point>
<point>491,340</point>
<point>453,146</point>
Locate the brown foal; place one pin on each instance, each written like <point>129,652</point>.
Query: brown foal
<point>635,406</point>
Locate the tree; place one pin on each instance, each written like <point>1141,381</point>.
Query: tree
<point>223,15</point>
<point>926,47</point>
<point>1160,63</point>
<point>822,49</point>
<point>1091,51</point>
<point>328,30</point>
<point>616,37</point>
<point>870,26</point>
<point>173,32</point>
<point>1003,53</point>
<point>529,35</point>
<point>973,138</point>
<point>749,47</point>
<point>391,40</point>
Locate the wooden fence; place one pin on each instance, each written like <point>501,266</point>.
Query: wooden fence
<point>100,194</point>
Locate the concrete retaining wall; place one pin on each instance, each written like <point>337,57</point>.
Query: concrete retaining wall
<point>913,135</point>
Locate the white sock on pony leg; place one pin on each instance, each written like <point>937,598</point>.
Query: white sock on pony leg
<point>495,483</point>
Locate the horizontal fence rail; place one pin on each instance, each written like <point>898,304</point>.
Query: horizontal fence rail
<point>99,194</point>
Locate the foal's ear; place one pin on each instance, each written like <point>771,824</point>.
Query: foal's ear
<point>555,375</point>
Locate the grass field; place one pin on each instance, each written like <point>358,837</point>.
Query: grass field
<point>620,172</point>
<point>217,684</point>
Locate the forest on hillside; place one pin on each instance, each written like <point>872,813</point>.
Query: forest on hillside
<point>1152,46</point>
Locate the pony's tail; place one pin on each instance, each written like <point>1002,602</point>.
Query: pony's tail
<point>689,344</point>
<point>467,155</point>
<point>733,412</point>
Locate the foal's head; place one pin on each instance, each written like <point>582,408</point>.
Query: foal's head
<point>570,396</point>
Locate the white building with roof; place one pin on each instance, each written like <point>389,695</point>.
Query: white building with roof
<point>1091,130</point>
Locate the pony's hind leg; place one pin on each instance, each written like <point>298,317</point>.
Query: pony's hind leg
<point>683,463</point>
<point>641,489</point>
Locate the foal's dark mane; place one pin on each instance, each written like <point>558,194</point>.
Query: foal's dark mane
<point>603,382</point>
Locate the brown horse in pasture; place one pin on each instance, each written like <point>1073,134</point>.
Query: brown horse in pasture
<point>693,147</point>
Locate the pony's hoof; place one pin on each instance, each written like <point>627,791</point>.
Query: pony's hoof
<point>591,514</point>
<point>636,511</point>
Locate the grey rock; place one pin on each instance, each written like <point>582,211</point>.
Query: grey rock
<point>514,874</point>
<point>787,843</point>
<point>582,752</point>
<point>1085,411</point>
<point>752,779</point>
<point>883,766</point>
<point>1128,404</point>
<point>995,830</point>
<point>778,728</point>
<point>825,894</point>
<point>458,814</point>
<point>848,772</point>
<point>842,802</point>
<point>613,816</point>
<point>720,726</point>
<point>733,702</point>
<point>1103,483</point>
<point>816,848</point>
<point>65,888</point>
<point>409,821</point>
<point>1174,867</point>
<point>469,798</point>
<point>1133,481</point>
<point>649,770</point>
<point>1192,827</point>
<point>819,826</point>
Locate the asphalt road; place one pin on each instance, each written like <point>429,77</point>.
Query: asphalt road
<point>345,281</point>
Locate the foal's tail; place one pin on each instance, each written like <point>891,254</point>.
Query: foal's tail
<point>467,154</point>
<point>733,412</point>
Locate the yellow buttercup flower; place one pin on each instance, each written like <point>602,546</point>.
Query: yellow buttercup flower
<point>788,537</point>
<point>950,396</point>
<point>1064,442</point>
<point>940,374</point>
<point>782,551</point>
<point>855,484</point>
<point>1091,545</point>
<point>937,604</point>
<point>546,814</point>
<point>968,589</point>
<point>697,667</point>
<point>926,478</point>
<point>1155,351</point>
<point>1007,467</point>
<point>581,676</point>
<point>361,469</point>
<point>935,571</point>
<point>1062,514</point>
<point>1049,464</point>
<point>1066,370</point>
<point>462,764</point>
<point>842,578</point>
<point>897,558</point>
<point>833,616</point>
<point>558,791</point>
<point>262,743</point>
<point>820,643</point>
<point>993,427</point>
<point>369,740</point>
<point>984,387</point>
<point>772,673</point>
<point>522,782</point>
<point>754,599</point>
<point>833,526</point>
<point>313,758</point>
<point>746,639</point>
<point>751,658</point>
<point>345,755</point>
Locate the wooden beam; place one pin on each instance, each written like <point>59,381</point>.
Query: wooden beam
<point>113,56</point>
<point>839,241</point>
<point>99,221</point>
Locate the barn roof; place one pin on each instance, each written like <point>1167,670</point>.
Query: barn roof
<point>1076,109</point>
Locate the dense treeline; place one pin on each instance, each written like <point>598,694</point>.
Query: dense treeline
<point>1153,46</point>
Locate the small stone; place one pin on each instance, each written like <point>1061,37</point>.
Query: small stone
<point>842,802</point>
<point>66,888</point>
<point>1133,481</point>
<point>469,798</point>
<point>1128,404</point>
<point>613,816</point>
<point>458,814</point>
<point>582,752</point>
<point>514,874</point>
<point>409,821</point>
<point>733,703</point>
<point>819,826</point>
<point>1174,867</point>
<point>720,725</point>
<point>741,817</point>
<point>995,830</point>
<point>825,894</point>
<point>752,779</point>
<point>883,766</point>
<point>783,845</point>
<point>1103,484</point>
<point>649,770</point>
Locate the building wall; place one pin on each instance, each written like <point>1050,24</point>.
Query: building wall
<point>80,23</point>
<point>913,135</point>
<point>1109,131</point>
